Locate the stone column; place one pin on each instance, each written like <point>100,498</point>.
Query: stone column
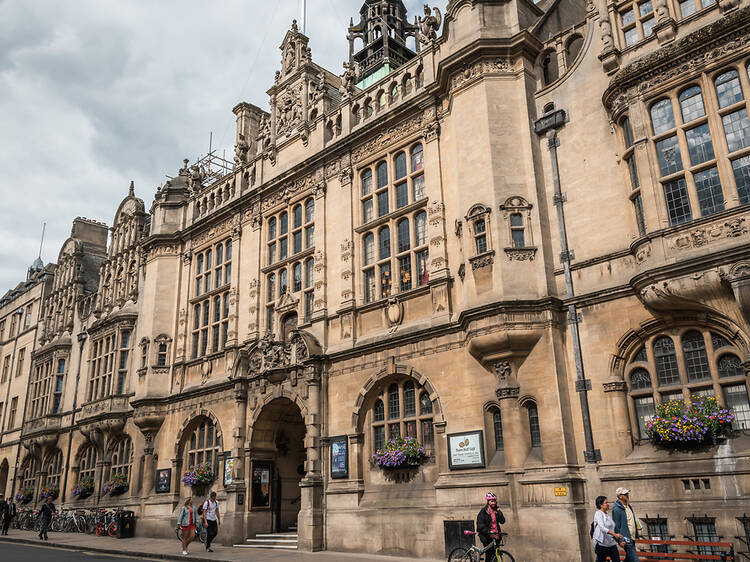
<point>515,440</point>
<point>310,521</point>
<point>620,442</point>
<point>238,444</point>
<point>356,441</point>
<point>149,466</point>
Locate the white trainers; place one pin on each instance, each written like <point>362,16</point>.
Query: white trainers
<point>185,553</point>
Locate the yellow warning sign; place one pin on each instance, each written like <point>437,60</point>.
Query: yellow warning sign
<point>561,491</point>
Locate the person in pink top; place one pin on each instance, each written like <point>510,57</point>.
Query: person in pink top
<point>489,520</point>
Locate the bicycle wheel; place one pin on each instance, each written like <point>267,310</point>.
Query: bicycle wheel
<point>202,536</point>
<point>461,554</point>
<point>178,532</point>
<point>504,556</point>
<point>112,530</point>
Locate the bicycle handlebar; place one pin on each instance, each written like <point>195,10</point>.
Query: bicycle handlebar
<point>474,533</point>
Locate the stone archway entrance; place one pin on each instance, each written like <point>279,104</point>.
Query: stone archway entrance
<point>278,458</point>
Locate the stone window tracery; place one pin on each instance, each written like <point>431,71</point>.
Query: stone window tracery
<point>636,21</point>
<point>402,408</point>
<point>109,364</point>
<point>517,215</point>
<point>290,272</point>
<point>683,364</point>
<point>535,432</point>
<point>28,472</point>
<point>213,277</point>
<point>689,7</point>
<point>122,458</point>
<point>394,253</point>
<point>41,388</point>
<point>203,446</point>
<point>87,466</point>
<point>53,466</point>
<point>691,151</point>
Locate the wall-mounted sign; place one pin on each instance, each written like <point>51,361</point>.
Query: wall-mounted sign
<point>466,450</point>
<point>228,465</point>
<point>340,457</point>
<point>561,491</point>
<point>163,480</point>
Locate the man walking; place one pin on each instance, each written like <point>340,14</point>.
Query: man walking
<point>48,508</point>
<point>11,513</point>
<point>211,519</point>
<point>3,510</point>
<point>626,523</point>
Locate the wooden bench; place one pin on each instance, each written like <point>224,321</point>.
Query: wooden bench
<point>674,546</point>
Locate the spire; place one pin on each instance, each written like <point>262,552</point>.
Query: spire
<point>131,190</point>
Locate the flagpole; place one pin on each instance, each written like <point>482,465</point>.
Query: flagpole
<point>303,17</point>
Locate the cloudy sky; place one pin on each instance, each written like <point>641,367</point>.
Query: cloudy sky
<point>94,93</point>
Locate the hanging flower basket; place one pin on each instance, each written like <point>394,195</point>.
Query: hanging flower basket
<point>25,495</point>
<point>84,488</point>
<point>677,425</point>
<point>398,453</point>
<point>199,476</point>
<point>49,492</point>
<point>118,485</point>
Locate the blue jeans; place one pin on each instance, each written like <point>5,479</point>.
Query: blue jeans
<point>630,553</point>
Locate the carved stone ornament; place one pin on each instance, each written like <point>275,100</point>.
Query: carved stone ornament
<point>521,254</point>
<point>502,369</point>
<point>615,386</point>
<point>482,260</point>
<point>206,368</point>
<point>509,391</point>
<point>476,71</point>
<point>394,311</point>
<point>429,25</point>
<point>268,356</point>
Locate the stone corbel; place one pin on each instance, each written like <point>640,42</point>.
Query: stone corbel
<point>690,292</point>
<point>666,30</point>
<point>94,435</point>
<point>503,353</point>
<point>738,278</point>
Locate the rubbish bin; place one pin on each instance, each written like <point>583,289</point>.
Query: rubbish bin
<point>125,524</point>
<point>454,534</point>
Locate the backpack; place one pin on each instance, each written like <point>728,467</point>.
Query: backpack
<point>200,509</point>
<point>591,531</point>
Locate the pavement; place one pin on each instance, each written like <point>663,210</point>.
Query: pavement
<point>25,545</point>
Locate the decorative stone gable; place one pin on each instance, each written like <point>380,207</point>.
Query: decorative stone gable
<point>273,360</point>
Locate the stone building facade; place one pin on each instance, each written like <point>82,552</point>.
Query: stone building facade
<point>411,248</point>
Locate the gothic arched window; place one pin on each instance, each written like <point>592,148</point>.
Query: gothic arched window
<point>405,416</point>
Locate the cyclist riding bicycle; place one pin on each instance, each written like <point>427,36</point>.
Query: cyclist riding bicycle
<point>489,520</point>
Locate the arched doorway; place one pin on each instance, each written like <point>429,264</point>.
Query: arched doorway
<point>3,476</point>
<point>277,466</point>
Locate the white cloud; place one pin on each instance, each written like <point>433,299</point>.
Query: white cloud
<point>94,93</point>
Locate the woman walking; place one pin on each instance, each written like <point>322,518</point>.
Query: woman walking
<point>605,538</point>
<point>186,521</point>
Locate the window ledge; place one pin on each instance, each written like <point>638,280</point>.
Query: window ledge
<point>485,259</point>
<point>203,296</point>
<point>526,253</point>
<point>290,259</point>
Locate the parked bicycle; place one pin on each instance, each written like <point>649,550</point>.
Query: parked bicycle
<point>476,554</point>
<point>201,533</point>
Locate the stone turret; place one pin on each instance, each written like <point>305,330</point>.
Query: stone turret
<point>384,29</point>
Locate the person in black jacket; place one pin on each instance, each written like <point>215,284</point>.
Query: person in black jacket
<point>489,520</point>
<point>48,508</point>
<point>11,513</point>
<point>3,510</point>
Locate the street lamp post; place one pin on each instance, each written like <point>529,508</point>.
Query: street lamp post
<point>82,335</point>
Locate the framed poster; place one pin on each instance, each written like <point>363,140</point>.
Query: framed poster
<point>261,485</point>
<point>228,465</point>
<point>466,450</point>
<point>163,480</point>
<point>340,457</point>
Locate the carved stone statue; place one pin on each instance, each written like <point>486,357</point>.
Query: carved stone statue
<point>662,12</point>
<point>241,150</point>
<point>319,90</point>
<point>349,78</point>
<point>429,25</point>
<point>606,28</point>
